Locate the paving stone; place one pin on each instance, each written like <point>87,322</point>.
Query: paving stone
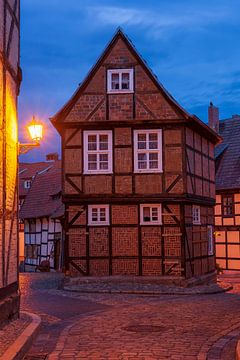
<point>11,330</point>
<point>192,327</point>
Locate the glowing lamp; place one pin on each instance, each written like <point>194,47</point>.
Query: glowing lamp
<point>35,130</point>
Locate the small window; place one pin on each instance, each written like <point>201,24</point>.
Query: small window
<point>32,226</point>
<point>227,205</point>
<point>97,152</point>
<point>120,80</point>
<point>98,215</point>
<point>148,151</point>
<point>210,240</point>
<point>27,184</point>
<point>150,214</point>
<point>31,251</point>
<point>196,215</point>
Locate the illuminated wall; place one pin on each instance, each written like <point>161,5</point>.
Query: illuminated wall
<point>9,88</point>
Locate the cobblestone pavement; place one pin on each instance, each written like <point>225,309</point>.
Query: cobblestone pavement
<point>107,326</point>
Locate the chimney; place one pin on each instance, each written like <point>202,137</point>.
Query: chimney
<point>52,157</point>
<point>213,117</point>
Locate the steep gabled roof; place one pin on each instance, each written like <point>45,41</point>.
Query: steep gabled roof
<point>65,110</point>
<point>40,200</point>
<point>27,171</point>
<point>227,155</point>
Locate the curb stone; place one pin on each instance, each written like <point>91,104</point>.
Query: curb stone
<point>219,341</point>
<point>227,287</point>
<point>21,345</point>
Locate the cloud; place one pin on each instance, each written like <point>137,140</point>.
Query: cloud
<point>159,19</point>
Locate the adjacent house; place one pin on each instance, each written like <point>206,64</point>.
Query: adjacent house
<point>41,213</point>
<point>10,79</point>
<point>227,210</point>
<point>138,174</point>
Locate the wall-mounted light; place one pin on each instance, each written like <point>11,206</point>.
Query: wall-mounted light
<point>36,133</point>
<point>35,130</point>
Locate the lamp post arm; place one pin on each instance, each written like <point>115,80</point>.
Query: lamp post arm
<point>24,148</point>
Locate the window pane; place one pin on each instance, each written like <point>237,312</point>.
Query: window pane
<point>103,142</point>
<point>115,81</point>
<point>92,142</point>
<point>153,160</point>
<point>103,161</point>
<point>154,214</point>
<point>125,81</point>
<point>102,214</point>
<point>153,141</point>
<point>92,161</point>
<point>227,205</point>
<point>142,141</point>
<point>142,161</point>
<point>94,214</point>
<point>146,214</point>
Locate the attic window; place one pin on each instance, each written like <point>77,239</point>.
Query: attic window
<point>120,81</point>
<point>27,184</point>
<point>56,196</point>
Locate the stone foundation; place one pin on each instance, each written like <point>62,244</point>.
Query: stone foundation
<point>154,280</point>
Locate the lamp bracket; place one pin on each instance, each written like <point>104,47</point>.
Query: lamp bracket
<point>25,148</point>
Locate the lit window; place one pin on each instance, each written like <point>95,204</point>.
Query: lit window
<point>227,205</point>
<point>196,215</point>
<point>97,152</point>
<point>148,151</point>
<point>210,240</point>
<point>27,184</point>
<point>120,80</point>
<point>98,215</point>
<point>150,214</point>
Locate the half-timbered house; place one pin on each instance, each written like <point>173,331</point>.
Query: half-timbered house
<point>41,214</point>
<point>10,78</point>
<point>227,210</point>
<point>138,174</point>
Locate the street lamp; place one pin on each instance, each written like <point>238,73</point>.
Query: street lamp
<point>36,133</point>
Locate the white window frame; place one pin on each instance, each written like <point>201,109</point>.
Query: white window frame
<point>151,222</point>
<point>196,215</point>
<point>98,222</point>
<point>98,152</point>
<point>210,240</point>
<point>27,184</point>
<point>120,72</point>
<point>148,151</point>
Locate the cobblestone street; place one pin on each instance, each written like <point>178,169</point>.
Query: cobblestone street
<point>107,326</point>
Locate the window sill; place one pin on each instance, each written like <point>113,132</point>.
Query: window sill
<point>120,92</point>
<point>157,171</point>
<point>150,223</point>
<point>97,173</point>
<point>98,224</point>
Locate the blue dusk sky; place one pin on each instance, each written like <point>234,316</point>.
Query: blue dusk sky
<point>192,46</point>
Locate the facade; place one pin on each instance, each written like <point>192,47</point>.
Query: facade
<point>227,210</point>
<point>41,214</point>
<point>9,88</point>
<point>138,174</point>
<point>26,175</point>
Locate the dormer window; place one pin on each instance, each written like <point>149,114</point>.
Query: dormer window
<point>120,80</point>
<point>27,184</point>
